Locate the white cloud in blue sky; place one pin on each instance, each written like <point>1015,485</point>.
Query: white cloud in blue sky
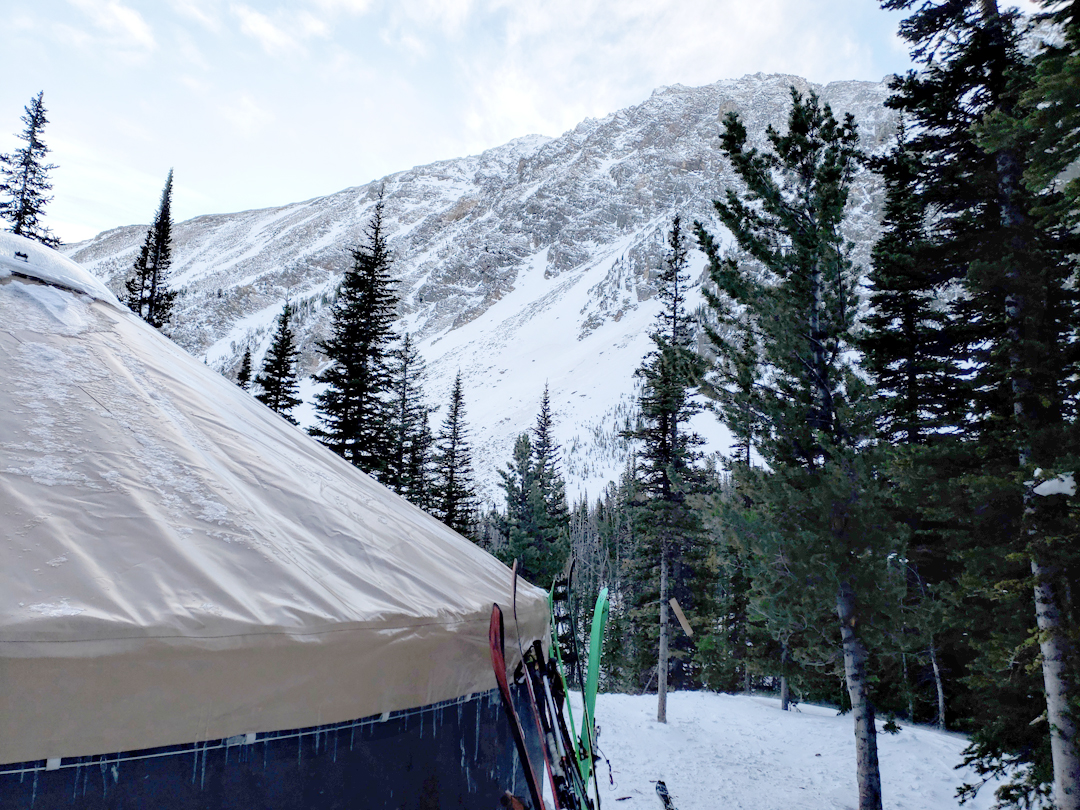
<point>262,103</point>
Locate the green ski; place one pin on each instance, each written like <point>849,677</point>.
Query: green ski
<point>587,747</point>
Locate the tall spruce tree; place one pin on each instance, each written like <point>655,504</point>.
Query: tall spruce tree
<point>355,409</point>
<point>537,521</point>
<point>408,470</point>
<point>672,533</point>
<point>815,518</point>
<point>148,294</point>
<point>518,525</point>
<point>278,379</point>
<point>982,108</point>
<point>911,346</point>
<point>454,500</point>
<point>24,179</point>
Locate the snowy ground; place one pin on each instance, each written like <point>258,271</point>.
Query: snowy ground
<point>740,752</point>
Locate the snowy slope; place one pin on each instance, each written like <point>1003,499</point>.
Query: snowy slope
<point>740,752</point>
<point>528,263</point>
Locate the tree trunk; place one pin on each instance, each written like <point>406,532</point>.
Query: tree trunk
<point>662,664</point>
<point>866,758</point>
<point>940,687</point>
<point>785,695</point>
<point>1054,645</point>
<point>909,689</point>
<point>1032,410</point>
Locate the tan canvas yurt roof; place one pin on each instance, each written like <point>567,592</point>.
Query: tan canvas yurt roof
<point>178,563</point>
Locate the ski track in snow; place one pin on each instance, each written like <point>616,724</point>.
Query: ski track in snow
<point>740,752</point>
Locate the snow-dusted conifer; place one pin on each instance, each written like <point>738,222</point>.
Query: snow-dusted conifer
<point>355,408</point>
<point>243,377</point>
<point>24,179</point>
<point>409,464</point>
<point>670,528</point>
<point>278,380</point>
<point>148,293</point>
<point>455,500</point>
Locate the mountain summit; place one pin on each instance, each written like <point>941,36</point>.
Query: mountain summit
<point>526,264</point>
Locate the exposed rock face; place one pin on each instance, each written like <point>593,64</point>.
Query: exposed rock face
<point>531,262</point>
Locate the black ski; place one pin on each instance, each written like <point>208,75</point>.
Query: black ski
<point>547,742</point>
<point>665,797</point>
<point>498,663</point>
<point>567,787</point>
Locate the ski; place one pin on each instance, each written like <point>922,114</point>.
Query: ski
<point>547,743</point>
<point>568,788</point>
<point>553,697</point>
<point>564,644</point>
<point>587,747</point>
<point>498,663</point>
<point>665,797</point>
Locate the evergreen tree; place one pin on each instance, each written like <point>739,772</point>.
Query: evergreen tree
<point>672,533</point>
<point>906,344</point>
<point>148,293</point>
<point>454,497</point>
<point>408,471</point>
<point>355,408</point>
<point>24,179</point>
<point>913,345</point>
<point>518,525</point>
<point>983,110</point>
<point>537,521</point>
<point>243,377</point>
<point>816,520</point>
<point>278,379</point>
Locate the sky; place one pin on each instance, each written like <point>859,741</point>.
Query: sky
<point>256,104</point>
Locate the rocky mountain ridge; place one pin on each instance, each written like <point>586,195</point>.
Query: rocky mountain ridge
<point>526,264</point>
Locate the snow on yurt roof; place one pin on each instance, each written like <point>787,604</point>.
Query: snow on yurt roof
<point>25,257</point>
<point>180,564</point>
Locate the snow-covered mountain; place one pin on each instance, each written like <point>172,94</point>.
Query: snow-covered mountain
<point>529,263</point>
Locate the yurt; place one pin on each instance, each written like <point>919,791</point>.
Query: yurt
<point>201,607</point>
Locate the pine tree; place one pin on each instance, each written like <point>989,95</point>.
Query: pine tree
<point>408,470</point>
<point>355,409</point>
<point>518,524</point>
<point>243,377</point>
<point>983,110</point>
<point>906,345</point>
<point>913,345</point>
<point>278,379</point>
<point>454,498</point>
<point>148,293</point>
<point>815,519</point>
<point>24,179</point>
<point>671,527</point>
<point>537,521</point>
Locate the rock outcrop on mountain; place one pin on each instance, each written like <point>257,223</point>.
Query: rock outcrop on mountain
<point>526,264</point>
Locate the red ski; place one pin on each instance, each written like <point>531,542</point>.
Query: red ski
<point>498,662</point>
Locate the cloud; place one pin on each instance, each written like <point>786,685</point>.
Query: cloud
<point>542,67</point>
<point>348,6</point>
<point>259,27</point>
<point>281,36</point>
<point>246,115</point>
<point>124,26</point>
<point>200,11</point>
